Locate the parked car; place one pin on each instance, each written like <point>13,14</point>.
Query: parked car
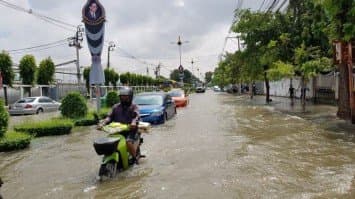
<point>216,89</point>
<point>179,97</point>
<point>155,107</point>
<point>33,105</point>
<point>232,88</point>
<point>200,89</point>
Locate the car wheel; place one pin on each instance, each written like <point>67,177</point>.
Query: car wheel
<point>40,110</point>
<point>165,116</point>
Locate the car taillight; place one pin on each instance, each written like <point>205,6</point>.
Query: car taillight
<point>28,106</point>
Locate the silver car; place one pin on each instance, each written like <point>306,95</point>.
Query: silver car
<point>33,105</point>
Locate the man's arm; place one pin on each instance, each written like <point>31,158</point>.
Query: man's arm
<point>136,114</point>
<point>108,119</point>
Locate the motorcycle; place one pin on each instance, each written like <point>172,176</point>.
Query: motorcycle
<point>114,148</point>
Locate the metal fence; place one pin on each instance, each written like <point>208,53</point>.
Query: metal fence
<point>60,90</point>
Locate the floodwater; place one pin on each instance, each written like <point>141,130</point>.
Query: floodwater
<point>220,146</point>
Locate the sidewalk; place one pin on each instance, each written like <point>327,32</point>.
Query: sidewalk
<point>324,115</point>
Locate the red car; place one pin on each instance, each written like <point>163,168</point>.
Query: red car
<point>179,97</point>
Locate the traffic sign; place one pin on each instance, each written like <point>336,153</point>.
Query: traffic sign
<point>181,75</point>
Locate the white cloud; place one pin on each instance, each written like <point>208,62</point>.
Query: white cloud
<point>179,3</point>
<point>143,28</point>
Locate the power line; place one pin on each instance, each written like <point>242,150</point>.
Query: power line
<point>239,5</point>
<point>39,49</point>
<point>50,20</point>
<point>39,46</point>
<point>262,5</point>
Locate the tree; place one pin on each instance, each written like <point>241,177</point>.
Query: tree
<point>86,75</point>
<point>257,29</point>
<point>27,71</point>
<point>208,76</point>
<point>45,73</point>
<point>6,71</point>
<point>188,77</point>
<point>342,16</point>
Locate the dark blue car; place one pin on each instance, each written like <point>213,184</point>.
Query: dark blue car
<point>155,107</point>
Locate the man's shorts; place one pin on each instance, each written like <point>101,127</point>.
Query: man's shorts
<point>132,136</point>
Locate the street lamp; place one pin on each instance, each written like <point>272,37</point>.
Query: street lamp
<point>179,43</point>
<point>192,72</point>
<point>111,47</point>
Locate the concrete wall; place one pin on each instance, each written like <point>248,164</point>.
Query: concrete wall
<point>280,88</point>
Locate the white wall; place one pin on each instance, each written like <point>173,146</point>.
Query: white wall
<point>280,88</point>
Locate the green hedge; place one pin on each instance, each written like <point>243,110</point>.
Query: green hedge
<point>4,119</point>
<point>102,114</point>
<point>46,128</point>
<point>90,119</point>
<point>14,141</point>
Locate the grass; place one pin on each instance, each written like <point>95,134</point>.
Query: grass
<point>46,128</point>
<point>14,141</point>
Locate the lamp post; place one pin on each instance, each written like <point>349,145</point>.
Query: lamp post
<point>192,72</point>
<point>111,47</point>
<point>179,43</point>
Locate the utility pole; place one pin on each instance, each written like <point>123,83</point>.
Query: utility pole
<point>192,72</point>
<point>179,43</point>
<point>111,47</point>
<point>76,42</point>
<point>157,71</point>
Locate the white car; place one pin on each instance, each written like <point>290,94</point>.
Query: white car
<point>33,105</point>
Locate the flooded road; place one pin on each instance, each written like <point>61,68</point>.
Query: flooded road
<point>220,146</point>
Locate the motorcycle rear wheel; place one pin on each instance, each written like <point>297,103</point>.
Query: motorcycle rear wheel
<point>109,170</point>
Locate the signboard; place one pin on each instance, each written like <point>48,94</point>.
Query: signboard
<point>181,69</point>
<point>337,52</point>
<point>93,14</point>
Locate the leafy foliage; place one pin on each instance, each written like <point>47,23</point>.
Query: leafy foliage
<point>46,70</point>
<point>74,106</point>
<point>4,119</point>
<point>112,98</point>
<point>6,68</point>
<point>27,69</point>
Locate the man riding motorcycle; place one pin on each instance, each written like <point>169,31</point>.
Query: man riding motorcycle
<point>126,112</point>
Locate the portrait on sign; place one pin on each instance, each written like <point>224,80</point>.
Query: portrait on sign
<point>93,11</point>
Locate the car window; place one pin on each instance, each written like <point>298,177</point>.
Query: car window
<point>44,100</point>
<point>176,94</point>
<point>26,100</point>
<point>148,100</point>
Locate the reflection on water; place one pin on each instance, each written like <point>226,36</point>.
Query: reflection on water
<point>220,146</point>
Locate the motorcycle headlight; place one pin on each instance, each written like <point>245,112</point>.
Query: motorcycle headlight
<point>157,113</point>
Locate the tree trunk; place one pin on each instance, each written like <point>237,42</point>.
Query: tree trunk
<point>344,103</point>
<point>267,85</point>
<point>314,88</point>
<point>5,96</point>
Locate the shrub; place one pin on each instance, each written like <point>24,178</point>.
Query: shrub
<point>4,119</point>
<point>46,128</point>
<point>14,141</point>
<point>74,106</point>
<point>102,114</point>
<point>112,98</point>
<point>90,119</point>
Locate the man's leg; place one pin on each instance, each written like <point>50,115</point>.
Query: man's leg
<point>131,148</point>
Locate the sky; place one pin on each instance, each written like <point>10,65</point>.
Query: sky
<point>147,30</point>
